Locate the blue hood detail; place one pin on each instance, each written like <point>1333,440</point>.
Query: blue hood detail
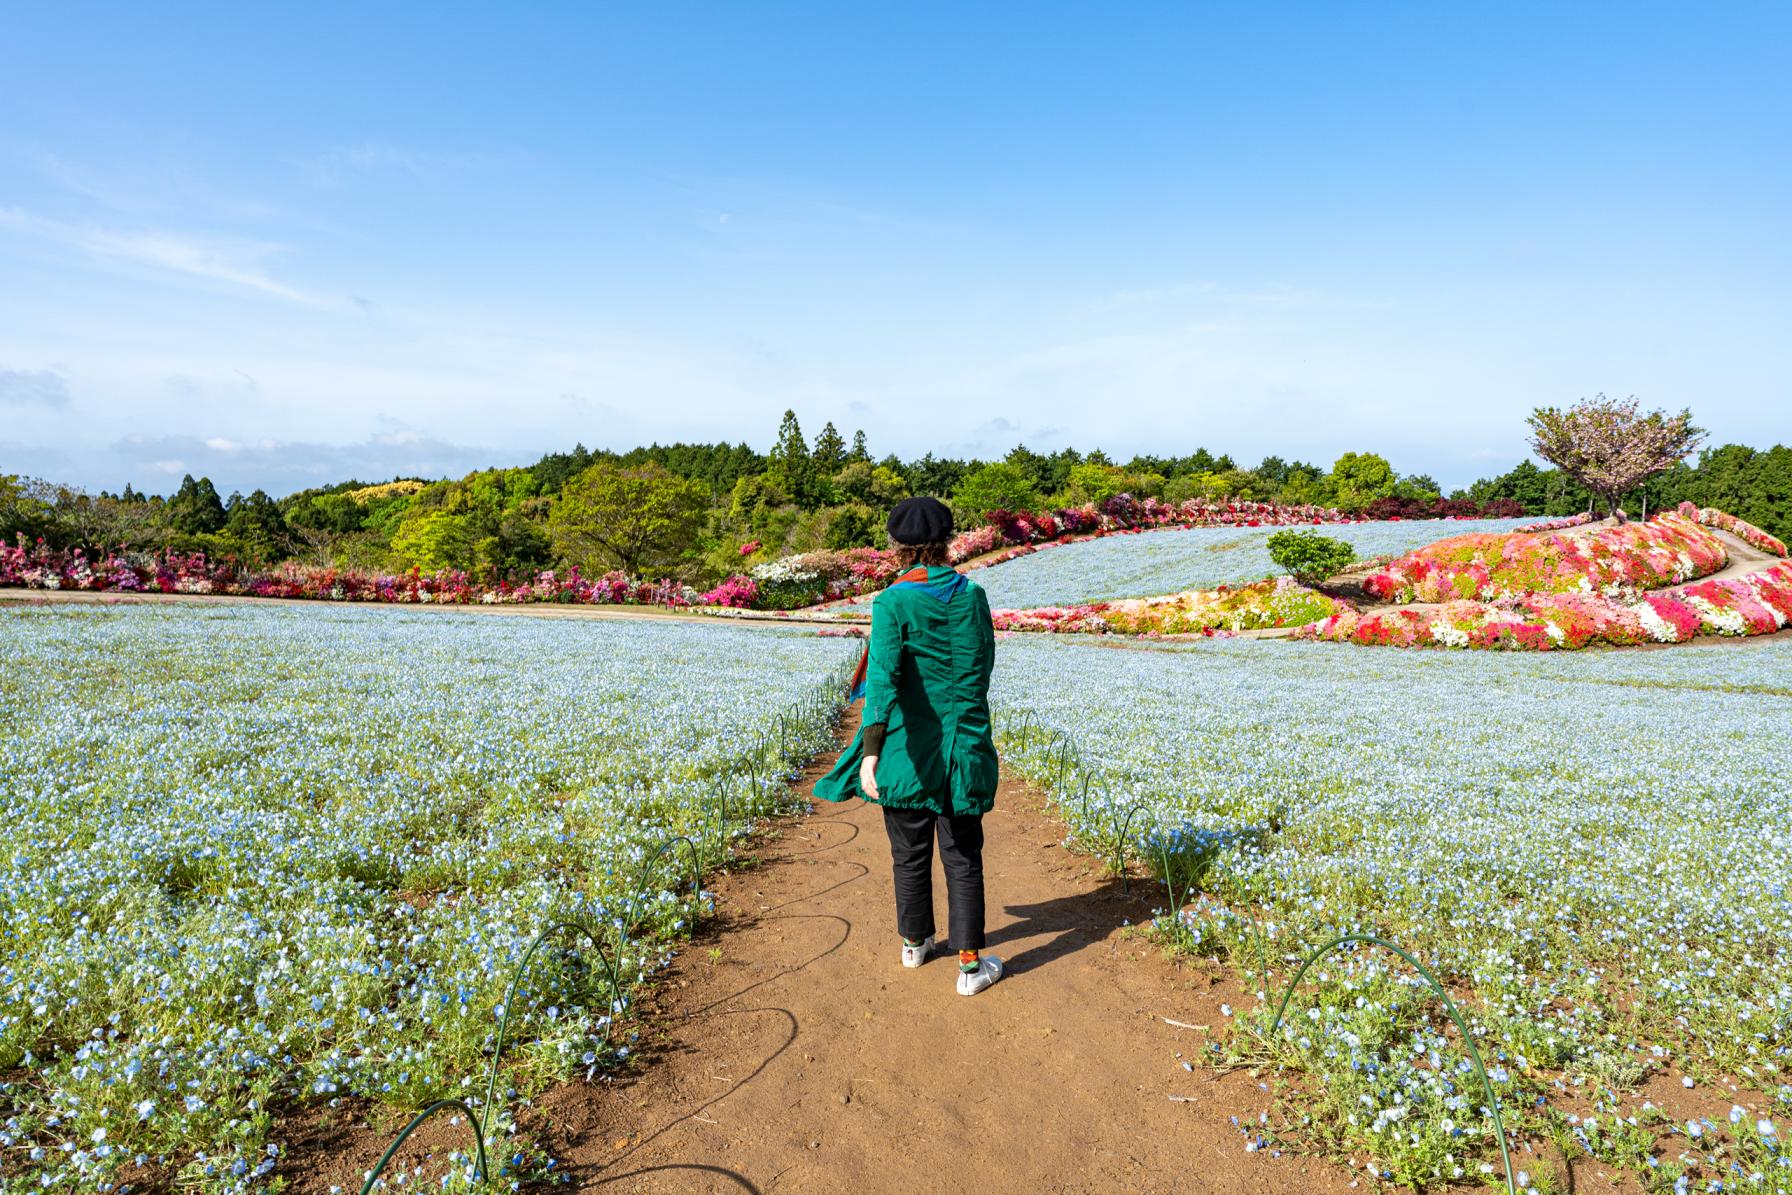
<point>941,589</point>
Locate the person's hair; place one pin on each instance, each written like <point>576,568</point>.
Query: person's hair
<point>909,555</point>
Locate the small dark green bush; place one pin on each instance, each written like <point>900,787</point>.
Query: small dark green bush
<point>1310,556</point>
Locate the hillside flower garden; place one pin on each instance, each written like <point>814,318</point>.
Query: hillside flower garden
<point>263,857</point>
<point>1613,587</point>
<point>1668,550</point>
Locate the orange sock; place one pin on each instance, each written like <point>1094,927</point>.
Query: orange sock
<point>968,960</point>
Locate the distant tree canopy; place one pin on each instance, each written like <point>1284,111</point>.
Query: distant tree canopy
<point>641,520</point>
<point>702,511</point>
<point>195,507</point>
<point>1359,478</point>
<point>998,485</point>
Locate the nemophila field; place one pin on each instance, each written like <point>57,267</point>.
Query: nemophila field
<point>1595,850</point>
<point>256,856</point>
<point>1157,562</point>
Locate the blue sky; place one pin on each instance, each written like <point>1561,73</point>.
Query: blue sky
<point>287,246</point>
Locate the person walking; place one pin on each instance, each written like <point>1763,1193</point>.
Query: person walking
<point>924,751</point>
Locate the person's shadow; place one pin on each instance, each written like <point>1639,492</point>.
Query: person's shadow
<point>1073,923</point>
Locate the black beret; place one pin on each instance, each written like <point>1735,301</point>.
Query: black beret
<point>920,521</point>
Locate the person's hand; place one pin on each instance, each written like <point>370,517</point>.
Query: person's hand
<point>868,776</point>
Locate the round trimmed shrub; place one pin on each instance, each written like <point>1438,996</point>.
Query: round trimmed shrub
<point>1308,555</point>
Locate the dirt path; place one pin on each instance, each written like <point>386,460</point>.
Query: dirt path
<point>788,1051</point>
<point>806,1059</point>
<point>1745,558</point>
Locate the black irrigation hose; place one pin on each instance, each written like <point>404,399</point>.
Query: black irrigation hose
<point>1493,1102</point>
<point>522,968</point>
<point>640,887</point>
<point>1059,741</point>
<point>482,1171</point>
<point>479,1171</point>
<point>1122,825</point>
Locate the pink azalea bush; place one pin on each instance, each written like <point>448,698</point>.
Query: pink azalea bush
<point>737,593</point>
<point>1629,557</point>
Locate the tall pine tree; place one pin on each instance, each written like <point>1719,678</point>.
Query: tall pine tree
<point>791,465</point>
<point>195,507</point>
<point>830,451</point>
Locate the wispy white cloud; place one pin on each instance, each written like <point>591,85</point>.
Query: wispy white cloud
<point>158,189</point>
<point>283,466</point>
<point>32,387</point>
<point>234,263</point>
<point>333,167</point>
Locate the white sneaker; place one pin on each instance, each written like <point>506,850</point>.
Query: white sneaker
<point>989,969</point>
<point>914,956</point>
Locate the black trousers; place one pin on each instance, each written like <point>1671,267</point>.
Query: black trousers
<point>961,855</point>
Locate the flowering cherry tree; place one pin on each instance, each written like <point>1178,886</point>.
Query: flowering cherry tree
<point>1609,446</point>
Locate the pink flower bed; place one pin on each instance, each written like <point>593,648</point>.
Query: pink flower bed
<point>1553,525</point>
<point>1053,619</point>
<point>1757,604</point>
<point>1667,550</point>
<point>40,567</point>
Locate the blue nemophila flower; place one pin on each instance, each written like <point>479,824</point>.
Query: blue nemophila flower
<point>244,841</point>
<point>1557,837</point>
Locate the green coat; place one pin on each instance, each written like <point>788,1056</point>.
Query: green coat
<point>927,681</point>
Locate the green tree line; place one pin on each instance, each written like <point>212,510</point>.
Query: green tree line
<point>701,511</point>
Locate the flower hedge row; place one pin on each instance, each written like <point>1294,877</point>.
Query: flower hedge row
<point>1277,602</point>
<point>1668,550</point>
<point>814,578</point>
<point>1554,524</point>
<point>1757,604</point>
<point>1745,531</point>
<point>1123,512</point>
<point>40,567</point>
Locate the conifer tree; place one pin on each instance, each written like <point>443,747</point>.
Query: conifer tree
<point>791,465</point>
<point>830,451</point>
